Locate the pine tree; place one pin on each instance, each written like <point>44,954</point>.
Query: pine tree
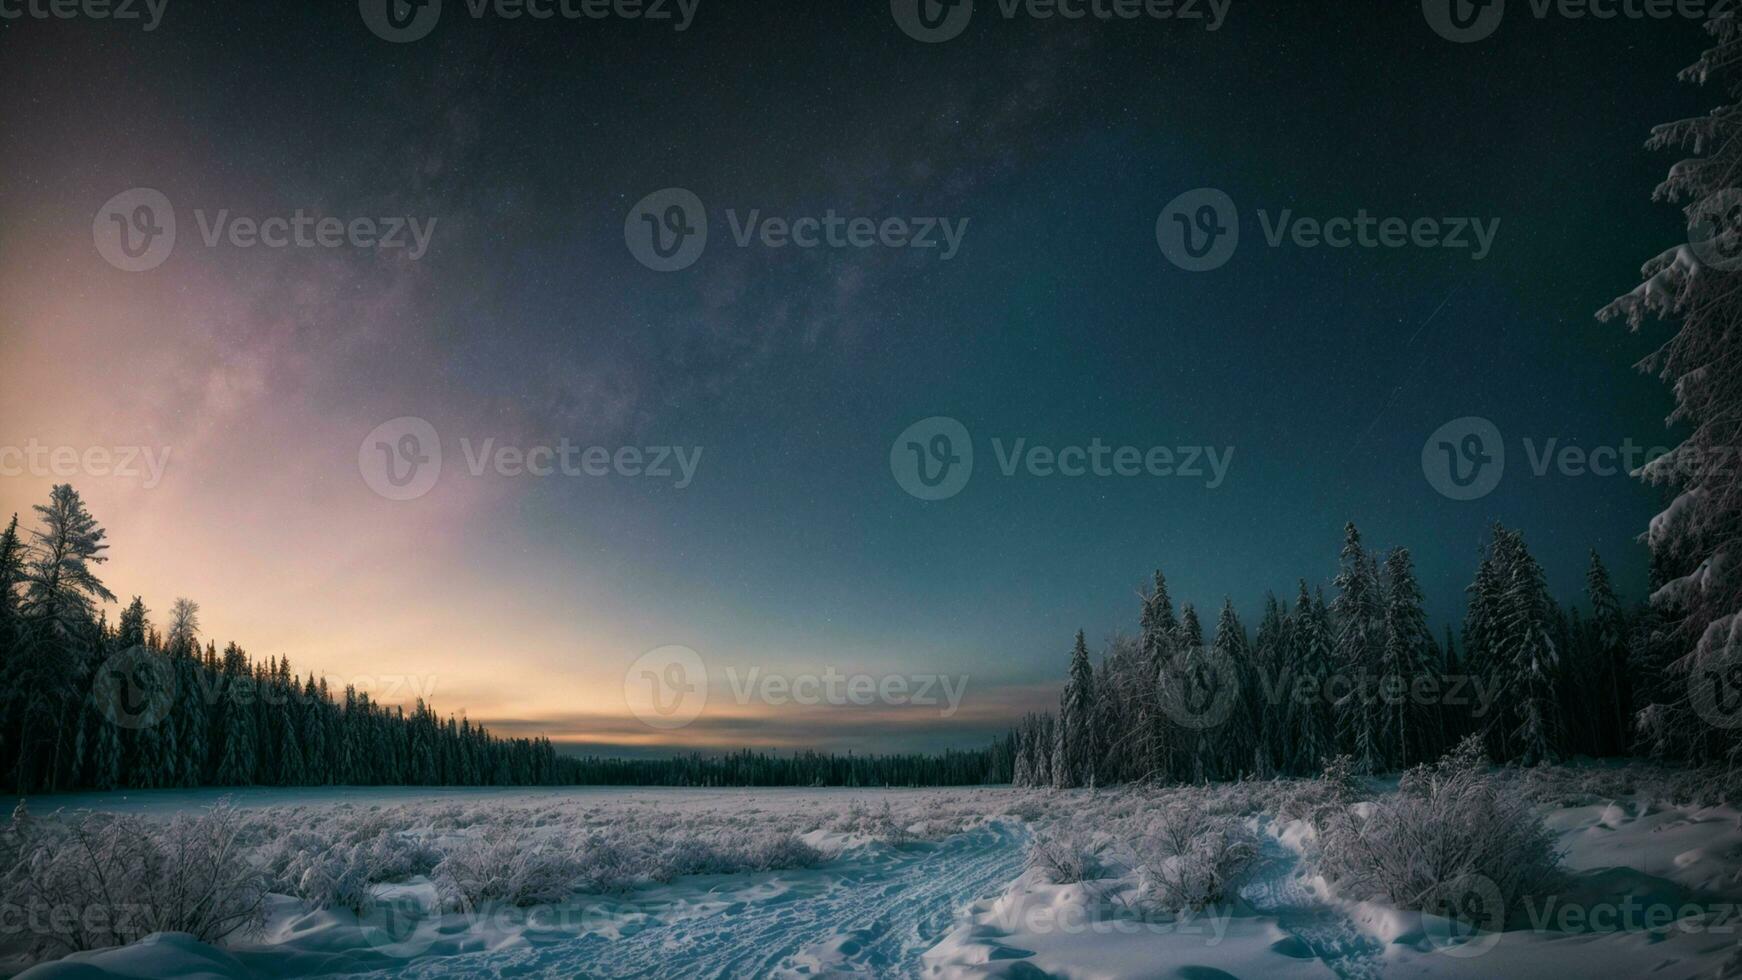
<point>1482,624</point>
<point>237,758</point>
<point>1357,611</point>
<point>1609,645</point>
<point>1241,751</point>
<point>1313,728</point>
<point>1270,709</point>
<point>1076,734</point>
<point>11,626</point>
<point>1158,635</point>
<point>1407,732</point>
<point>1524,651</point>
<point>1696,542</point>
<point>49,667</point>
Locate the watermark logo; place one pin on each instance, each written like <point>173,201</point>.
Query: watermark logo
<point>151,11</point>
<point>1715,687</point>
<point>932,21</point>
<point>34,458</point>
<point>1715,230</point>
<point>667,687</point>
<point>667,230</point>
<point>1464,21</point>
<point>134,231</point>
<point>933,458</point>
<point>400,21</point>
<point>836,688</point>
<point>1467,21</point>
<point>403,21</point>
<point>397,925</point>
<point>1199,692</point>
<point>935,21</point>
<point>1465,458</point>
<point>1464,917</point>
<point>1199,230</point>
<point>401,459</point>
<point>133,689</point>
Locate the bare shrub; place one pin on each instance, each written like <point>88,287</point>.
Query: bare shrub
<point>1449,823</point>
<point>104,880</point>
<point>510,869</point>
<point>1066,854</point>
<point>1188,858</point>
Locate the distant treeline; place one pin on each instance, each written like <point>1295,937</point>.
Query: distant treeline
<point>1360,676</point>
<point>747,768</point>
<point>86,704</point>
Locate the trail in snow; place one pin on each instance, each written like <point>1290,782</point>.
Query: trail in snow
<point>1277,890</point>
<point>873,911</point>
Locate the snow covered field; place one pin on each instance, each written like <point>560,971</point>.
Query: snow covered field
<point>1191,883</point>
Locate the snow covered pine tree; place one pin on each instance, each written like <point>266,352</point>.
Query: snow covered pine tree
<point>1694,540</point>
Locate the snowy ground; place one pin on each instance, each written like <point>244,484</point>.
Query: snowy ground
<point>933,883</point>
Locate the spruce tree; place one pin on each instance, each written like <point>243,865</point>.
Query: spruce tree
<point>1696,542</point>
<point>1357,611</point>
<point>48,669</point>
<point>1407,731</point>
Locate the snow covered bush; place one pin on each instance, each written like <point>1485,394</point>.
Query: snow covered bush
<point>105,880</point>
<point>1065,853</point>
<point>1188,859</point>
<point>1314,800</point>
<point>506,869</point>
<point>1449,824</point>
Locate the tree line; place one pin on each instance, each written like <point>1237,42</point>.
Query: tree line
<point>86,704</point>
<point>1360,675</point>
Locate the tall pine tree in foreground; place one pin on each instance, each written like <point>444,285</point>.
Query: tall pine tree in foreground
<point>48,669</point>
<point>1075,764</point>
<point>1696,542</point>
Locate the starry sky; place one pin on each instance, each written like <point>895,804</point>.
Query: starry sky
<point>522,601</point>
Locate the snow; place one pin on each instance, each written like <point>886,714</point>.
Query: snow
<point>933,883</point>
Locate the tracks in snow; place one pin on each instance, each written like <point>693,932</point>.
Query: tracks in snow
<point>873,912</point>
<point>1277,890</point>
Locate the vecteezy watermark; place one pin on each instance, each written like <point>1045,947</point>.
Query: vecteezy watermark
<point>1201,688</point>
<point>133,689</point>
<point>1631,914</point>
<point>135,231</point>
<point>137,688</point>
<point>1715,230</point>
<point>1200,231</point>
<point>667,688</point>
<point>405,924</point>
<point>1715,680</point>
<point>936,21</point>
<point>1467,21</point>
<point>668,230</point>
<point>99,462</point>
<point>403,21</point>
<point>1466,458</point>
<point>1036,916</point>
<point>932,459</point>
<point>150,11</point>
<point>1463,917</point>
<point>401,459</point>
<point>841,689</point>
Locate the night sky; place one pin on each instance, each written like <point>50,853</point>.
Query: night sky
<point>1058,321</point>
